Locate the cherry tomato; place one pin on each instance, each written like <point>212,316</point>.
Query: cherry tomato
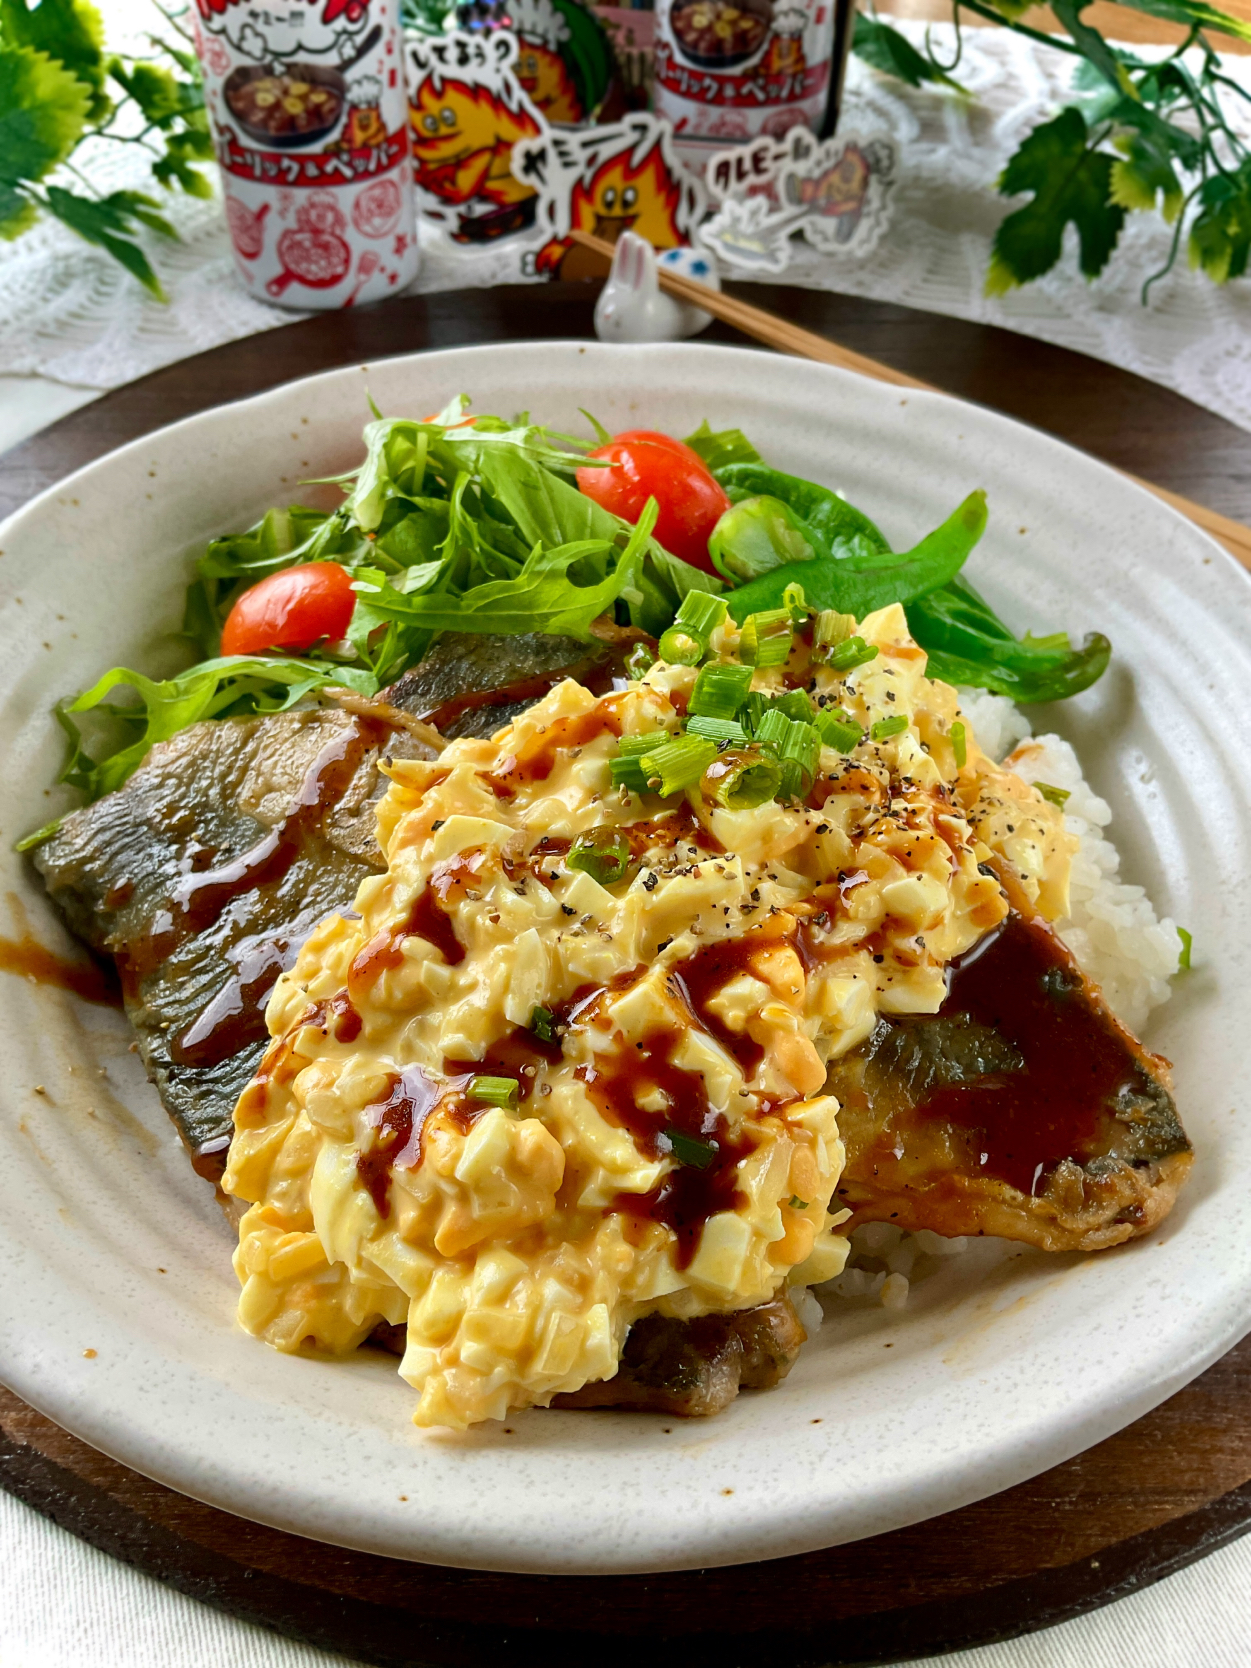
<point>291,610</point>
<point>650,465</point>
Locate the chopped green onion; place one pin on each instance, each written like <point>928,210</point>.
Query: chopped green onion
<point>639,661</point>
<point>798,746</point>
<point>716,729</point>
<point>494,1091</point>
<point>796,1203</point>
<point>698,616</point>
<point>677,763</point>
<point>852,651</point>
<point>793,704</point>
<point>681,647</point>
<point>28,842</point>
<point>830,629</point>
<point>543,1024</point>
<point>766,638</point>
<point>885,728</point>
<point>838,729</point>
<point>959,744</point>
<point>604,854</point>
<point>625,769</point>
<point>795,603</point>
<point>1056,796</point>
<point>627,773</point>
<point>1183,955</point>
<point>690,1149</point>
<point>742,780</point>
<point>719,690</point>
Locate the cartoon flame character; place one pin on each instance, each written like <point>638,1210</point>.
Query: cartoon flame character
<point>463,138</point>
<point>545,76</point>
<point>617,197</point>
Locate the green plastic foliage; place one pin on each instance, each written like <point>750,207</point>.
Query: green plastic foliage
<point>1071,182</point>
<point>1220,237</point>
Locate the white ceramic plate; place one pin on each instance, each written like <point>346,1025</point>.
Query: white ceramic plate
<point>116,1294</point>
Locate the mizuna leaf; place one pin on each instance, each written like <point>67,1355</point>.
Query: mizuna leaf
<point>239,683</point>
<point>1071,182</point>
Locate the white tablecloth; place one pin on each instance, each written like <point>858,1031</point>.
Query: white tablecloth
<point>62,1603</point>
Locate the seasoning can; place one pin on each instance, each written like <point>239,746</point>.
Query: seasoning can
<point>731,70</point>
<point>310,121</point>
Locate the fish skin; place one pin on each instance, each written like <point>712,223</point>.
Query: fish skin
<point>466,664</point>
<point>917,1173</point>
<point>206,797</point>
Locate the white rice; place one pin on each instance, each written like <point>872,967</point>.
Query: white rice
<point>1111,928</point>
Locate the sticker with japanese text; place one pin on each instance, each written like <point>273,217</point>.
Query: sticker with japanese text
<point>606,180</point>
<point>835,193</point>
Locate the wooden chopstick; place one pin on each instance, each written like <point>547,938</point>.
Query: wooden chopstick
<point>789,338</point>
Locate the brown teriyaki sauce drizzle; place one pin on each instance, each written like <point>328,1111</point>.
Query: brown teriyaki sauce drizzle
<point>1021,981</point>
<point>200,900</point>
<point>31,960</point>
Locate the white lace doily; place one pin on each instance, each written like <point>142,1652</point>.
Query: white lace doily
<point>69,313</point>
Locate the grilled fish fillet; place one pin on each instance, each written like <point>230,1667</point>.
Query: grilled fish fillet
<point>203,875</point>
<point>1023,1108</point>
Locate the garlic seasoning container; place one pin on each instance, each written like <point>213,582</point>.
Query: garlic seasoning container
<point>730,70</point>
<point>310,120</point>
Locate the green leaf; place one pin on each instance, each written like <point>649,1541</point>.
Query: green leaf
<point>1194,14</point>
<point>17,213</point>
<point>174,167</point>
<point>967,643</point>
<point>1094,48</point>
<point>158,93</point>
<point>110,222</point>
<point>838,525</point>
<point>1220,234</point>
<point>1011,10</point>
<point>722,447</point>
<point>859,584</point>
<point>894,54</point>
<point>1071,182</point>
<point>42,110</point>
<point>70,32</point>
<point>241,683</point>
<point>541,598</point>
<point>1144,174</point>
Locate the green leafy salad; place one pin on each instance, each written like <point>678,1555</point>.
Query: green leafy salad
<point>479,524</point>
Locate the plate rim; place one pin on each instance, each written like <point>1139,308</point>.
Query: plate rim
<point>1096,1428</point>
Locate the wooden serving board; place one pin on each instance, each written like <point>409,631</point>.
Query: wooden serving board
<point>1173,1486</point>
